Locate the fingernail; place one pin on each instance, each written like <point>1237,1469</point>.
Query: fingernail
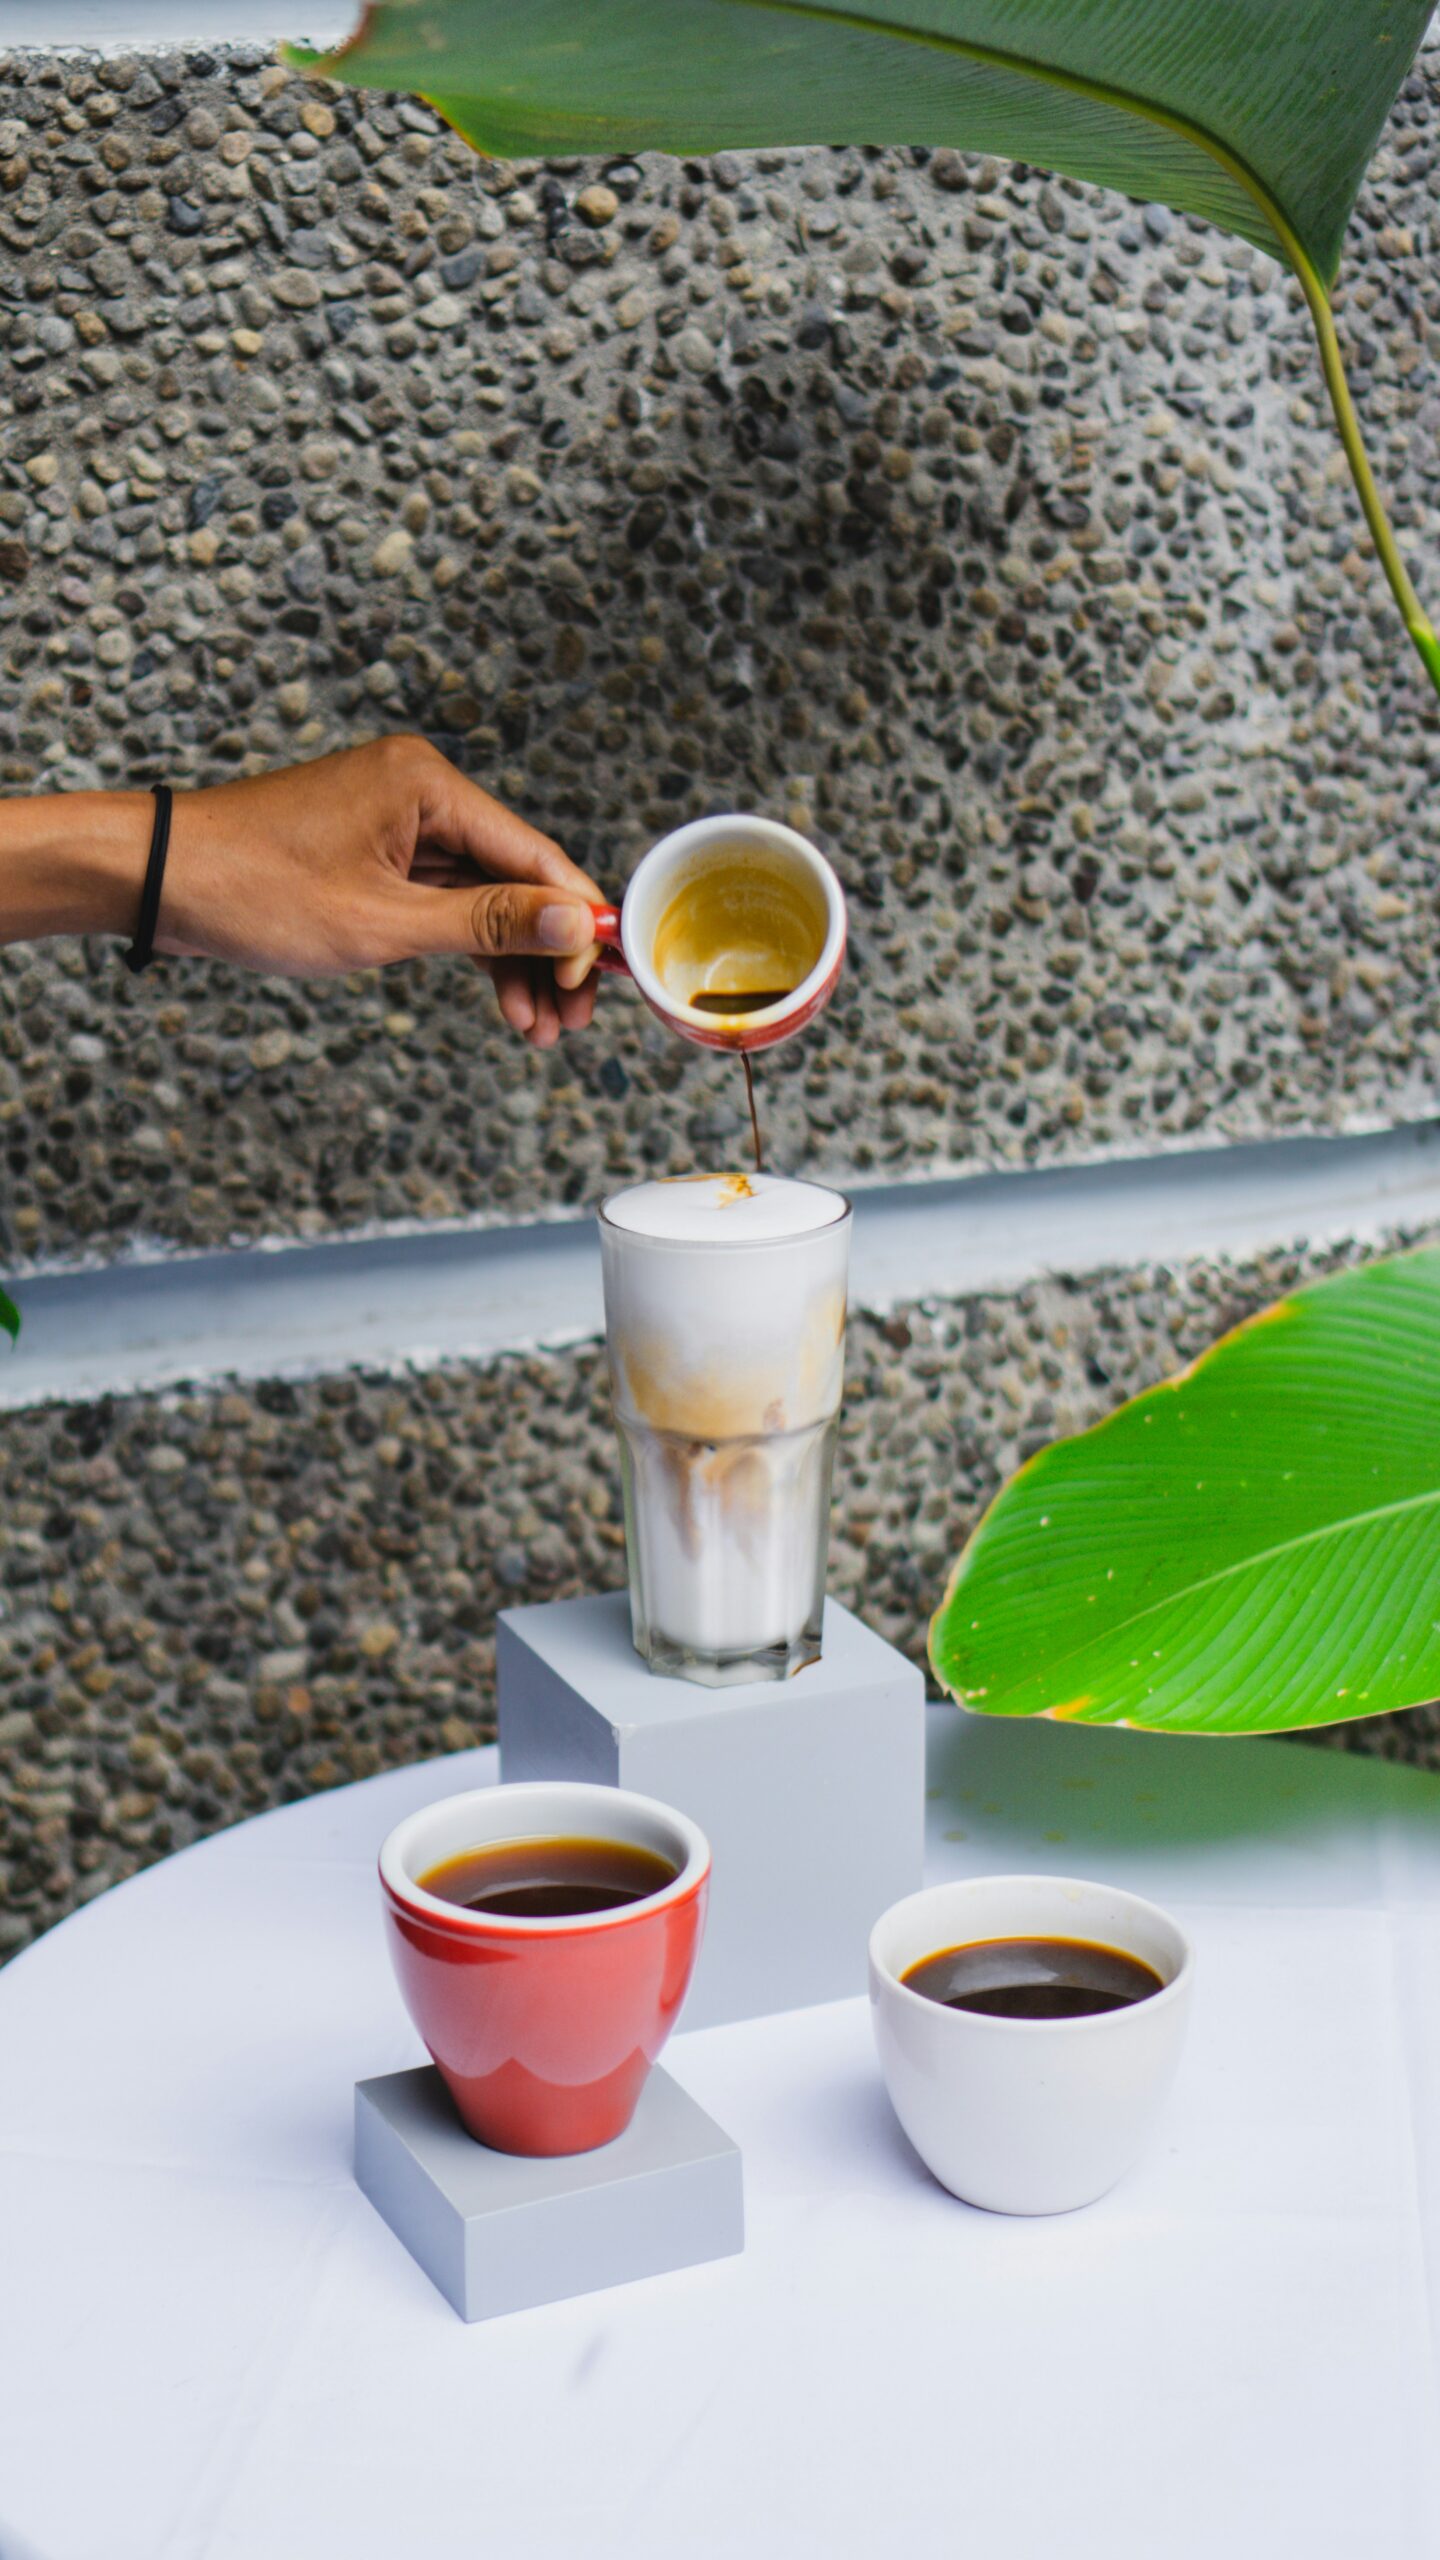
<point>564,929</point>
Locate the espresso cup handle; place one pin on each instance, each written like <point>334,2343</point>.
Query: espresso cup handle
<point>607,934</point>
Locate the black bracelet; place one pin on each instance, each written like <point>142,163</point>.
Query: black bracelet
<point>142,949</point>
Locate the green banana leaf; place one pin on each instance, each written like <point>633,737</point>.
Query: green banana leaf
<point>1225,108</point>
<point>9,1317</point>
<point>1251,1548</point>
<point>1259,115</point>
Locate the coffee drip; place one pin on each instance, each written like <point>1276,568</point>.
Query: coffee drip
<point>754,1114</point>
<point>735,939</point>
<point>752,1001</point>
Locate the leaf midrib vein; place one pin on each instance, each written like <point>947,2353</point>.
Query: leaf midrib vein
<point>1311,282</point>
<point>1053,76</point>
<point>1244,1564</point>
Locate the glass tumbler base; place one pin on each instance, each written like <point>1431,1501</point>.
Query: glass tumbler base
<point>727,1670</point>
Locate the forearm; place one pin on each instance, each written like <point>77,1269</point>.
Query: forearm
<point>73,863</point>
<point>375,854</point>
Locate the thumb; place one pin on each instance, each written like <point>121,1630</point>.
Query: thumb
<point>508,919</point>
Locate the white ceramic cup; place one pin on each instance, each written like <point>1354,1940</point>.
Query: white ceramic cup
<point>1026,2115</point>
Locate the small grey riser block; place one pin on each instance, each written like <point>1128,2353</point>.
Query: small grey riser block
<point>499,2234</point>
<point>811,1791</point>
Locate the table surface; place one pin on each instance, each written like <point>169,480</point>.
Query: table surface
<point>210,2345</point>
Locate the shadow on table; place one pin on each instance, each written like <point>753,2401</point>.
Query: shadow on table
<point>1065,1796</point>
<point>13,2547</point>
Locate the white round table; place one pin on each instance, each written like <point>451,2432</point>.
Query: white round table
<point>211,2348</point>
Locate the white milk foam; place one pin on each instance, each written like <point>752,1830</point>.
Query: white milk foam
<point>725,1324</point>
<point>724,1208</point>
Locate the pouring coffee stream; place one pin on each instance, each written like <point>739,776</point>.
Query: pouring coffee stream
<point>754,1114</point>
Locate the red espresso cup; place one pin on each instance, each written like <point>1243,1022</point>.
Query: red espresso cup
<point>729,904</point>
<point>544,2030</point>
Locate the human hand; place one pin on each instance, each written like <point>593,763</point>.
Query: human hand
<point>379,853</point>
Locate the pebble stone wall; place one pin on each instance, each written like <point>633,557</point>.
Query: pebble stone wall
<point>992,529</point>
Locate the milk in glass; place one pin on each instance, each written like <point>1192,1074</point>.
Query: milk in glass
<point>725,1325</point>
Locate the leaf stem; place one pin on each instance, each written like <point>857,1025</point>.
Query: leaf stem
<point>841,13</point>
<point>1332,365</point>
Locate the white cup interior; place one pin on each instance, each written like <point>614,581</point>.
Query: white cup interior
<point>982,1907</point>
<point>539,1809</point>
<point>717,843</point>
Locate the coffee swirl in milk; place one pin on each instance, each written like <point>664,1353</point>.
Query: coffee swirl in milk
<point>725,1324</point>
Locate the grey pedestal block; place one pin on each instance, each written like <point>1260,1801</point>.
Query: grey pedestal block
<point>811,1790</point>
<point>500,2234</point>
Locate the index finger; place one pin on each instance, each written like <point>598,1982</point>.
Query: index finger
<point>458,816</point>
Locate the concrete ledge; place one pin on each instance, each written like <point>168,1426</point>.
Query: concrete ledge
<point>212,1602</point>
<point>392,1302</point>
<point>160,26</point>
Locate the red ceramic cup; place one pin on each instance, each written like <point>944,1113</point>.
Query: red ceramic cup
<point>544,2030</point>
<point>755,851</point>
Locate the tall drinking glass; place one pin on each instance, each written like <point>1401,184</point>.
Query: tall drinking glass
<point>725,1325</point>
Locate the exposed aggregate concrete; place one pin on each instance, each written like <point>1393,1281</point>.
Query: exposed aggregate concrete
<point>992,529</point>
<point>222,1601</point>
